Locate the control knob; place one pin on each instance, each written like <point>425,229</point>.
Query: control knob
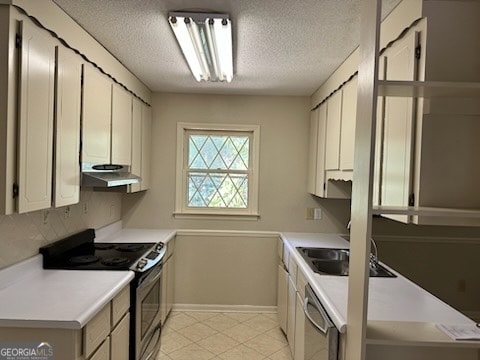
<point>141,264</point>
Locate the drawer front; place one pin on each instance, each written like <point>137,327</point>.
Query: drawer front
<point>103,352</point>
<point>96,331</point>
<point>292,269</point>
<point>120,305</point>
<point>301,283</point>
<point>119,340</point>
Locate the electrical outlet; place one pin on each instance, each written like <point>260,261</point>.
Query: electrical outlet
<point>309,213</point>
<point>85,208</point>
<point>317,214</point>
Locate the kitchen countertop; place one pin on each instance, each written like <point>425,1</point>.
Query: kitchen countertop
<point>395,301</point>
<point>69,299</point>
<point>31,296</point>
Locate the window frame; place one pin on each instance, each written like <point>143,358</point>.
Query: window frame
<point>181,196</point>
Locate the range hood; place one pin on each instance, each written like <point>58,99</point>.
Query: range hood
<point>107,175</point>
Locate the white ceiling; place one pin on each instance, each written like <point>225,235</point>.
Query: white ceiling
<point>281,47</point>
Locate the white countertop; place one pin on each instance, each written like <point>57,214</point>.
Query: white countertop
<point>33,297</point>
<point>390,299</point>
<point>65,299</point>
<point>115,233</point>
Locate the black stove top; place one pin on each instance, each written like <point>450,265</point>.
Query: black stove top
<point>80,252</point>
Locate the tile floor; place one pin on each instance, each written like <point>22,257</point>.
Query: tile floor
<point>225,336</point>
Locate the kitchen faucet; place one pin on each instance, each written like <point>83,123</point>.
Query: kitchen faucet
<point>374,253</point>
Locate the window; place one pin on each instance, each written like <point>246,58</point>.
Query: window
<point>217,169</point>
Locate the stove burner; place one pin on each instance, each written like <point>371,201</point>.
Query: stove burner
<point>83,259</point>
<point>130,247</point>
<point>115,261</point>
<point>103,246</point>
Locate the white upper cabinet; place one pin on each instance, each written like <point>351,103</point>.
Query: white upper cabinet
<point>429,173</point>
<point>35,118</point>
<point>347,132</point>
<point>146,146</point>
<point>398,126</point>
<point>97,98</point>
<point>141,145</point>
<point>136,168</point>
<point>316,164</point>
<point>334,125</point>
<point>121,126</point>
<point>67,128</point>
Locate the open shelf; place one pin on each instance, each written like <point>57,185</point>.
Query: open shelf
<point>425,211</point>
<point>428,89</point>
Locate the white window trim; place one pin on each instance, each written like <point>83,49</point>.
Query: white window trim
<point>181,210</point>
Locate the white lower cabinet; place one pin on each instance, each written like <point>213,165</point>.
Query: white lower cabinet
<point>299,353</point>
<point>119,340</point>
<point>102,338</point>
<point>168,279</point>
<point>96,331</point>
<point>103,352</point>
<point>282,295</point>
<point>291,308</point>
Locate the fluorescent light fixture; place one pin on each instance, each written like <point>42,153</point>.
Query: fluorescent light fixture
<point>206,43</point>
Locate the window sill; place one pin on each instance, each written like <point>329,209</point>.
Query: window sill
<point>215,216</point>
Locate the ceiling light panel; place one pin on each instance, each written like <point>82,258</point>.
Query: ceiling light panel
<point>206,43</point>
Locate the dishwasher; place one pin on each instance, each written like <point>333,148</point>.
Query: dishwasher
<point>321,336</point>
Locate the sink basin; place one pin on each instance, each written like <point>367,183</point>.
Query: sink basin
<point>326,254</point>
<point>335,262</point>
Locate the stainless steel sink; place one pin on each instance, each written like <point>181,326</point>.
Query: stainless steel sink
<point>335,262</point>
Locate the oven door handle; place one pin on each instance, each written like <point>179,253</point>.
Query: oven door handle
<point>148,281</point>
<point>309,317</point>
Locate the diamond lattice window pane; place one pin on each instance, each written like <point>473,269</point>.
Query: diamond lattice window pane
<point>218,190</point>
<point>218,152</point>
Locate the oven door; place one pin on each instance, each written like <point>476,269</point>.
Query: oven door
<point>147,314</point>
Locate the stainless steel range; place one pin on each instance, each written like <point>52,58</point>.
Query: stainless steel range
<point>80,252</point>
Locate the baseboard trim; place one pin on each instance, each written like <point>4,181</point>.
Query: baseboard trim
<point>224,308</point>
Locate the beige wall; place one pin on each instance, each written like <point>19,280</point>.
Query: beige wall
<point>438,258</point>
<point>225,270</point>
<point>283,198</point>
<point>22,235</point>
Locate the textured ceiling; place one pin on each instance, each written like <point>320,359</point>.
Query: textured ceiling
<point>281,47</point>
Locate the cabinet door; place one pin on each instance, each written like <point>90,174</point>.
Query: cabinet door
<point>170,284</point>
<point>291,308</point>
<point>312,152</point>
<point>163,294</point>
<point>103,352</point>
<point>97,103</point>
<point>67,128</point>
<point>334,123</point>
<point>35,126</point>
<point>321,139</point>
<point>282,296</point>
<point>146,146</point>
<point>136,168</point>
<point>119,340</point>
<point>349,116</point>
<point>96,330</point>
<point>398,127</point>
<point>299,330</point>
<point>121,126</point>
